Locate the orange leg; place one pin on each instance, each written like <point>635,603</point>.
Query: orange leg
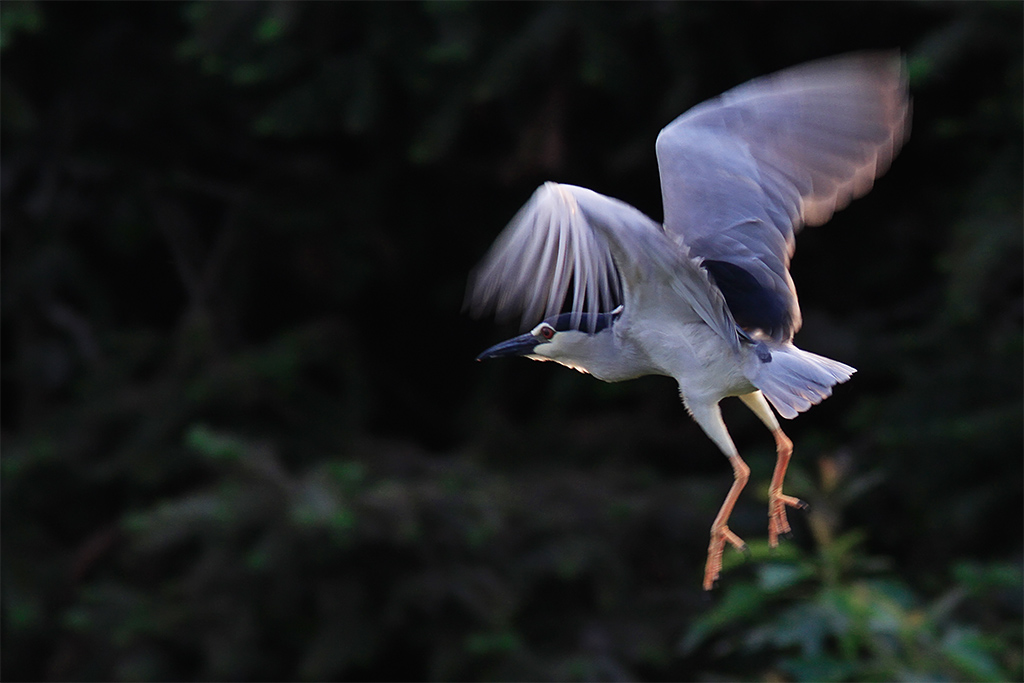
<point>720,532</point>
<point>778,525</point>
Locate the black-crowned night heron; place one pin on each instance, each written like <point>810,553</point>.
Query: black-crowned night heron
<point>707,297</point>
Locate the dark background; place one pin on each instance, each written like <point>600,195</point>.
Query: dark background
<point>243,435</point>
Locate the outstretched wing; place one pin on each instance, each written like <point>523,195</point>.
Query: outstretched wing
<point>743,172</point>
<point>604,248</point>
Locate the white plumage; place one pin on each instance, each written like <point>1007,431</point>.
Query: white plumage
<point>707,297</point>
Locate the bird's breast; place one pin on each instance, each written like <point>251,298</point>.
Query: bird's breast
<point>698,358</point>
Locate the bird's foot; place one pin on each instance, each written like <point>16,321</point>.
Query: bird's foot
<point>778,525</point>
<point>713,568</point>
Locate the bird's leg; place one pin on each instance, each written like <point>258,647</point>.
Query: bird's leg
<point>778,524</point>
<point>709,417</point>
<point>720,532</point>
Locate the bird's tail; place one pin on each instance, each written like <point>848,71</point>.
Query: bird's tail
<point>793,379</point>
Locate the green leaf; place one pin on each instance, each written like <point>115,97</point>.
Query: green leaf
<point>967,650</point>
<point>18,17</point>
<point>820,667</point>
<point>776,576</point>
<point>741,602</point>
<point>492,642</point>
<point>214,445</point>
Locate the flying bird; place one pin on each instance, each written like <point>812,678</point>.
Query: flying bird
<point>706,297</point>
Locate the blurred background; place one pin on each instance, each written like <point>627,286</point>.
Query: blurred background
<point>243,433</point>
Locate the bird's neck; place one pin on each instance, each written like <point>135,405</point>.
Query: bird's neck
<point>604,355</point>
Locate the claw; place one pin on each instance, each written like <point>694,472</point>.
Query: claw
<point>713,568</point>
<point>778,524</point>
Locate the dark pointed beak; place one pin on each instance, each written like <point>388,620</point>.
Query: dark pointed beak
<point>516,346</point>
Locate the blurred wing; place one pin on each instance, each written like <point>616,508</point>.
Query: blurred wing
<point>567,235</point>
<point>547,246</point>
<point>743,172</point>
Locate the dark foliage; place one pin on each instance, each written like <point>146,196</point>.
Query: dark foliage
<point>243,436</point>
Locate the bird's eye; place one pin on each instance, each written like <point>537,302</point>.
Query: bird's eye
<point>547,331</point>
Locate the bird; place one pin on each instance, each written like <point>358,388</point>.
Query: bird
<point>706,297</point>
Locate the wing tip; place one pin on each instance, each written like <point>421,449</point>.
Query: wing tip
<point>548,246</point>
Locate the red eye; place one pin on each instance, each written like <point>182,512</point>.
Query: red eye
<point>547,332</point>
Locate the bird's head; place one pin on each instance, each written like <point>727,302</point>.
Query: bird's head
<point>580,345</point>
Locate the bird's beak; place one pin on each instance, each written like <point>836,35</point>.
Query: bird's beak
<point>522,345</point>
